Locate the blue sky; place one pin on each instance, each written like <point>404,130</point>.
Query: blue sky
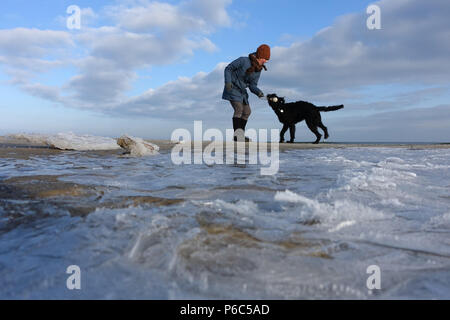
<point>131,70</point>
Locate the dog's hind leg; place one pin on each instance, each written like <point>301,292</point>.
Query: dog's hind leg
<point>314,130</point>
<point>325,130</point>
<point>292,133</point>
<point>283,131</point>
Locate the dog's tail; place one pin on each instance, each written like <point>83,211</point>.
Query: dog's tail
<point>332,108</point>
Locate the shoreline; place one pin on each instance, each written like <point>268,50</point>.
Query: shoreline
<point>20,149</point>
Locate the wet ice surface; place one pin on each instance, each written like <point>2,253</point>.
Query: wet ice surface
<point>308,232</point>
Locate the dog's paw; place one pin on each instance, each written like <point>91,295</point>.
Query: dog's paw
<point>290,141</point>
<point>281,141</point>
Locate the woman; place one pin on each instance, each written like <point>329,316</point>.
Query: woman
<point>242,73</point>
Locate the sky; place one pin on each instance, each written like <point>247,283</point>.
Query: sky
<point>146,68</point>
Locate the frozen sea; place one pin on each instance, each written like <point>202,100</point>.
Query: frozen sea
<point>149,229</point>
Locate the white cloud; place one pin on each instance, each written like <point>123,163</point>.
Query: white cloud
<point>25,52</point>
<point>415,125</point>
<point>128,50</point>
<point>213,12</point>
<point>190,98</point>
<point>100,84</point>
<point>156,16</point>
<point>31,43</point>
<point>42,91</point>
<point>187,17</point>
<point>402,100</point>
<point>88,16</point>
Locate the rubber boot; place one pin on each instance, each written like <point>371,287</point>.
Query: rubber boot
<point>242,123</point>
<point>236,126</point>
<point>235,123</point>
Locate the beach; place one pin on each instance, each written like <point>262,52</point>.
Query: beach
<point>18,148</point>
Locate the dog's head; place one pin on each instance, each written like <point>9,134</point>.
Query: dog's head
<point>274,100</point>
<point>277,104</point>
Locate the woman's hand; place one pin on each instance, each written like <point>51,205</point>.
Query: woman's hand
<point>229,86</point>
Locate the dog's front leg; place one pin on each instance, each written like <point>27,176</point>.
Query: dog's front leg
<point>283,131</point>
<point>292,133</point>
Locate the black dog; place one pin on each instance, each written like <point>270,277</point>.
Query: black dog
<point>290,114</point>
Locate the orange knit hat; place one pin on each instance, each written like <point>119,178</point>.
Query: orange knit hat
<point>263,52</point>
